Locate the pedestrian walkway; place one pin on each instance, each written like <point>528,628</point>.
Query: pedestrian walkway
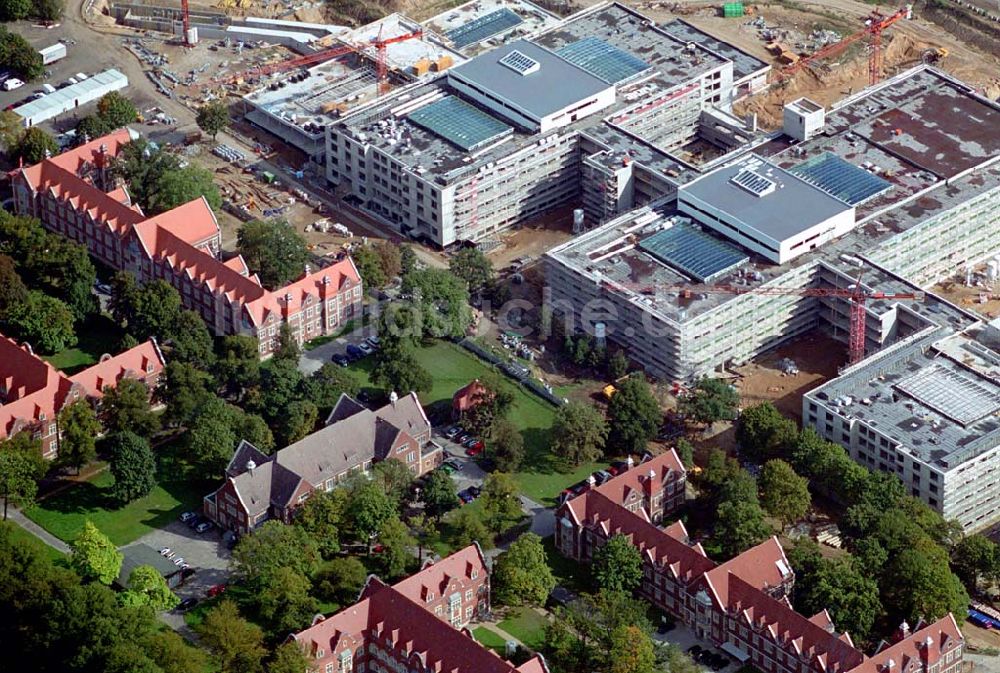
<point>18,517</point>
<point>490,626</point>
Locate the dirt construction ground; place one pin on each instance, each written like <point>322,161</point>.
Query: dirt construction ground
<point>903,46</point>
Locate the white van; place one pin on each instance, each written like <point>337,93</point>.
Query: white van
<point>48,88</point>
<point>12,83</point>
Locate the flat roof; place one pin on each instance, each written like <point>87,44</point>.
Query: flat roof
<point>851,184</point>
<point>917,395</point>
<point>744,64</point>
<point>789,206</point>
<point>550,85</point>
<point>460,123</point>
<point>481,25</point>
<point>603,60</point>
<point>60,98</point>
<point>694,252</point>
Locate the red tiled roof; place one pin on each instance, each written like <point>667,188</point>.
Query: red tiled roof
<point>192,222</point>
<point>761,567</point>
<point>438,575</point>
<point>759,610</point>
<point>926,644</point>
<point>465,397</point>
<point>89,153</point>
<point>335,277</point>
<point>595,508</point>
<point>108,372</point>
<point>31,387</point>
<point>648,474</point>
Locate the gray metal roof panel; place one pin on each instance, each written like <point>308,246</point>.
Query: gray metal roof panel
<point>792,207</point>
<point>556,84</point>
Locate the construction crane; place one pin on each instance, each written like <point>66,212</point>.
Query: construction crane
<point>381,66</point>
<point>186,22</point>
<point>875,24</point>
<point>855,294</point>
<point>381,47</point>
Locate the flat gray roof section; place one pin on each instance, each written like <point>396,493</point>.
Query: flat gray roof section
<point>552,86</point>
<point>743,63</point>
<point>952,394</point>
<point>458,122</point>
<point>791,207</point>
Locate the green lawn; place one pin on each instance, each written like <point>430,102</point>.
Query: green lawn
<point>527,626</point>
<point>63,514</point>
<point>25,539</point>
<point>490,639</point>
<point>451,367</point>
<point>569,574</point>
<point>97,335</point>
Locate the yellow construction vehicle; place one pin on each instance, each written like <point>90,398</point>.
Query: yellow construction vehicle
<point>935,54</point>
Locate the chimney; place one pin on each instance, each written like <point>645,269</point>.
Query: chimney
<point>308,269</point>
<point>591,481</point>
<point>251,466</point>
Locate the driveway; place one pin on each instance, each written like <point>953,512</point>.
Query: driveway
<point>315,358</point>
<point>206,553</point>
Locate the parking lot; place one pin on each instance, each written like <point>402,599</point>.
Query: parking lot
<point>205,552</point>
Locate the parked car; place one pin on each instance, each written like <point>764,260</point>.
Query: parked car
<point>354,352</point>
<point>341,359</point>
<point>215,590</point>
<point>373,341</point>
<point>164,551</point>
<point>579,488</point>
<point>179,561</point>
<point>466,496</point>
<point>203,526</point>
<point>601,476</point>
<point>365,348</point>
<point>695,651</point>
<point>194,521</point>
<point>187,604</point>
<point>474,450</point>
<point>450,466</point>
<point>187,516</point>
<point>452,431</point>
<point>620,466</point>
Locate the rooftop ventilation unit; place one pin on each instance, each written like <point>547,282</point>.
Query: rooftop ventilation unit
<point>753,182</point>
<point>520,63</point>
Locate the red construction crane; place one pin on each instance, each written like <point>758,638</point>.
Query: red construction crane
<point>874,25</point>
<point>855,294</point>
<point>381,65</point>
<point>186,21</point>
<point>282,66</point>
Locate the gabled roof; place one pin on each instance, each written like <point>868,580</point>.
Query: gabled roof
<point>139,362</point>
<point>30,388</point>
<point>646,477</point>
<point>762,567</point>
<point>437,576</point>
<point>245,454</point>
<point>758,610</point>
<point>407,414</point>
<point>313,286</point>
<point>192,222</point>
<point>926,644</point>
<point>345,407</point>
<point>394,614</point>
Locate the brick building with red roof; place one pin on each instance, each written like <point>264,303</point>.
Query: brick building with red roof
<point>77,195</point>
<point>742,605</point>
<point>398,628</point>
<point>33,392</point>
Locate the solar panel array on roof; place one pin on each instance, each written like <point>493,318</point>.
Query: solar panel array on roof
<point>951,394</point>
<point>693,252</point>
<point>840,179</point>
<point>753,182</point>
<point>520,63</point>
<point>460,123</point>
<point>603,60</point>
<point>484,27</point>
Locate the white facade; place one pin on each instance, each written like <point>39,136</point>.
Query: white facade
<point>72,97</point>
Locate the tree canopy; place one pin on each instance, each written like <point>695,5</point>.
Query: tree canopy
<point>274,250</point>
<point>763,433</point>
<point>146,586</point>
<point>521,575</point>
<point>95,556</point>
<point>438,494</point>
<point>505,446</point>
<point>213,117</point>
<point>710,400</point>
<point>178,186</point>
<point>501,505</point>
<point>473,267</point>
<point>79,428</point>
<point>634,416</point>
<point>43,321</point>
<point>617,565</point>
<point>116,110</point>
<point>125,408</point>
<point>132,465</point>
<point>783,493</point>
<point>17,54</point>
<point>237,644</point>
<point>579,433</point>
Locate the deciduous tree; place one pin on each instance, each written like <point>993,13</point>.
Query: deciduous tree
<point>126,408</point>
<point>783,493</point>
<point>15,10</point>
<point>631,651</point>
<point>763,433</point>
<point>78,427</point>
<point>617,365</point>
<point>395,478</point>
<point>237,644</point>
<point>210,439</point>
<point>49,10</point>
<point>95,557</point>
<point>191,342</point>
<point>579,433</point>
<point>185,390</point>
<point>173,654</point>
<point>473,267</point>
<point>284,601</point>
<point>470,527</point>
<point>710,400</point>
<point>132,465</point>
<point>491,401</point>
<point>116,110</point>
<point>177,187</point>
<point>13,291</point>
<point>298,420</point>
<point>17,54</point>
<point>370,267</point>
<point>685,451</point>
<point>974,557</point>
<point>273,249</point>
<point>325,386</point>
<point>238,364</point>
<point>369,509</point>
<point>501,505</point>
<point>396,542</point>
<point>36,144</point>
<point>322,517</point>
<point>521,575</point>
<point>18,478</point>
<point>740,525</point>
<point>617,565</point>
<point>43,321</point>
<point>397,369</point>
<point>438,494</point>
<point>213,117</point>
<point>634,416</point>
<point>256,558</point>
<point>146,586</point>
<point>505,445</point>
<point>340,580</point>
<point>289,657</point>
<point>443,300</point>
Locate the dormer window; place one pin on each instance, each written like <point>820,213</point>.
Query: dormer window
<point>475,574</point>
